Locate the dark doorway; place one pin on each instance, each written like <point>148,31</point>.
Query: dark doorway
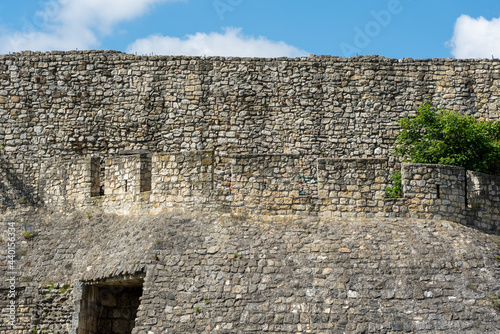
<point>110,307</point>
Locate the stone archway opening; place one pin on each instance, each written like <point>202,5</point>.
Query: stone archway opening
<point>110,306</point>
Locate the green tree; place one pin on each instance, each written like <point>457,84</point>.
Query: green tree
<point>439,136</point>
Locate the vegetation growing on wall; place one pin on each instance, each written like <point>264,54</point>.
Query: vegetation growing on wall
<point>439,136</point>
<point>396,190</point>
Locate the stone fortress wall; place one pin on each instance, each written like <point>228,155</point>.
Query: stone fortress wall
<point>251,135</point>
<point>272,174</point>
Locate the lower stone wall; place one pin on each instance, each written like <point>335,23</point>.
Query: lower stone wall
<point>231,274</point>
<point>16,312</point>
<point>53,309</point>
<point>47,309</point>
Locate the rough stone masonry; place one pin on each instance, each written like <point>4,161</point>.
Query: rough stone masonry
<point>263,274</point>
<point>106,159</point>
<point>69,104</point>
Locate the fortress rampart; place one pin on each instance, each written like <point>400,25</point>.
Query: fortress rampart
<point>224,195</point>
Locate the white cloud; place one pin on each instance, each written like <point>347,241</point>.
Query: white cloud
<point>72,24</point>
<point>81,24</point>
<point>102,14</point>
<point>231,43</point>
<point>476,38</point>
<point>46,41</point>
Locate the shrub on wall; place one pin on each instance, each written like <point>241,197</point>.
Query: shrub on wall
<point>396,190</point>
<point>439,136</point>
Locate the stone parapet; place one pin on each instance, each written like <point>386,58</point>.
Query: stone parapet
<point>352,187</point>
<point>269,184</point>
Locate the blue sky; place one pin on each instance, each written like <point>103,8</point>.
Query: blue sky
<point>263,28</point>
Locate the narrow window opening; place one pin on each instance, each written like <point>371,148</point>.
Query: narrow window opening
<point>126,185</point>
<point>146,164</point>
<point>438,192</point>
<point>96,179</point>
<point>466,193</point>
<point>101,177</point>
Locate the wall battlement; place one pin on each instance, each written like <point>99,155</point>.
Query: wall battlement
<point>275,184</point>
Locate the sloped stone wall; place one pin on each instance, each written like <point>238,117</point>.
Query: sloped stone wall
<point>225,274</point>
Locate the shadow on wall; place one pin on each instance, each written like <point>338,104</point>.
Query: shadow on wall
<point>14,190</point>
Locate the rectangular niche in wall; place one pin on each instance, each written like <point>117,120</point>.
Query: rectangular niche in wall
<point>146,164</point>
<point>110,306</point>
<point>145,160</point>
<point>96,177</point>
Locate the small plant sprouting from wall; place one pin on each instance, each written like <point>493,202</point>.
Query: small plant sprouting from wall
<point>495,301</point>
<point>64,288</point>
<point>49,286</point>
<point>28,235</point>
<point>396,190</point>
<point>29,230</point>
